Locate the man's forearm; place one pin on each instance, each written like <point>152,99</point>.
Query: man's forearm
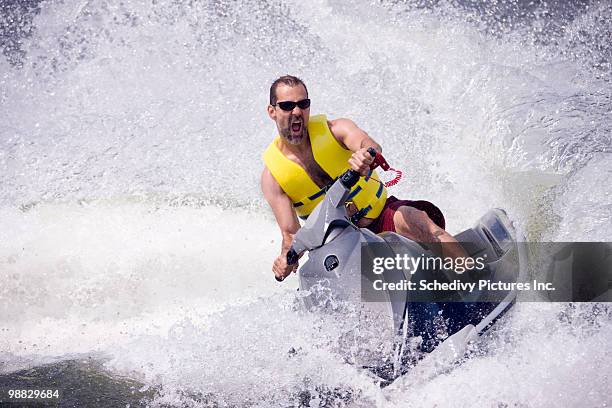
<point>367,143</point>
<point>287,241</point>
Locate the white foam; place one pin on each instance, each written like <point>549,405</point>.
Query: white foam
<point>80,277</point>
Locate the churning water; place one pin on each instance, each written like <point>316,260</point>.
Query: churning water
<point>135,246</point>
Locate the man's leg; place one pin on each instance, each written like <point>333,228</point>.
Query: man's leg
<point>416,225</point>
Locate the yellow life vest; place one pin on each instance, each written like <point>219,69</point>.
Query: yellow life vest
<point>369,192</point>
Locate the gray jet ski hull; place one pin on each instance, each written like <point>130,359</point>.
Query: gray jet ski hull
<point>333,274</point>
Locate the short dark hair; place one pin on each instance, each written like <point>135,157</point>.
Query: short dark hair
<point>288,80</point>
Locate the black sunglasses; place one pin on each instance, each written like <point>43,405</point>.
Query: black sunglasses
<point>288,106</point>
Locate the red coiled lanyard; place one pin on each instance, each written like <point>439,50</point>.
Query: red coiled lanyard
<point>379,160</point>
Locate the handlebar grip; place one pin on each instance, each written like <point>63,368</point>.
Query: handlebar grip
<point>292,257</point>
<point>372,151</point>
<point>349,178</point>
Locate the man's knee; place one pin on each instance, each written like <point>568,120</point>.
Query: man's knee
<point>412,222</point>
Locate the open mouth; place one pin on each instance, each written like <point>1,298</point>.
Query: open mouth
<point>296,126</point>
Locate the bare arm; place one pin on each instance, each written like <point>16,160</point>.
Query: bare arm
<point>351,136</point>
<point>357,141</point>
<point>287,221</point>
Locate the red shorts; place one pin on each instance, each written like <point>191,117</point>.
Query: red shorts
<point>384,222</point>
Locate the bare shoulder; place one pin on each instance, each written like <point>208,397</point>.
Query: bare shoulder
<point>269,185</point>
<point>341,125</point>
<point>267,179</point>
<point>341,128</point>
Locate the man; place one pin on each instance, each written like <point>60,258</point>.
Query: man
<point>308,155</point>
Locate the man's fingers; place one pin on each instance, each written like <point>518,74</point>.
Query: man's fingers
<point>281,270</point>
<point>278,275</point>
<point>363,156</point>
<point>358,165</point>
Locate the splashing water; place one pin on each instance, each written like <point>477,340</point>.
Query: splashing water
<point>134,233</point>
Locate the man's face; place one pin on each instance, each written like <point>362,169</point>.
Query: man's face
<point>292,125</point>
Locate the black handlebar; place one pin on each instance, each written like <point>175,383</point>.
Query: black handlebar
<point>292,257</point>
<point>349,178</point>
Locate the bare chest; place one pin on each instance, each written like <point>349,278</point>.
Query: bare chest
<point>312,168</point>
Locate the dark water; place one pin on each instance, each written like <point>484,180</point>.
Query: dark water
<point>81,382</point>
<point>16,24</point>
<point>544,22</point>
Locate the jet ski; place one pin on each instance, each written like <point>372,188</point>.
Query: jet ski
<point>396,330</point>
